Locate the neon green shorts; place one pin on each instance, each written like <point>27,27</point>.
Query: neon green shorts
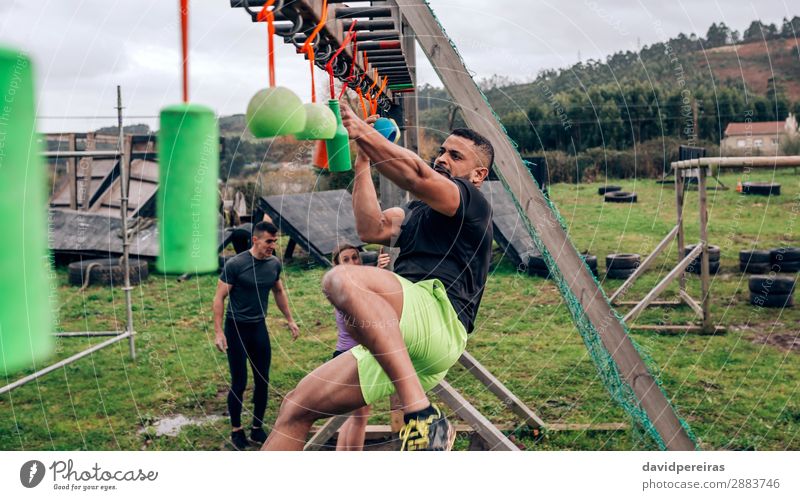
<point>433,334</point>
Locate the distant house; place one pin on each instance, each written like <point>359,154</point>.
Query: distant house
<point>756,138</point>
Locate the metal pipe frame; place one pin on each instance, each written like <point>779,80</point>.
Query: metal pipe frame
<point>98,155</point>
<point>128,333</point>
<point>33,376</point>
<point>87,334</point>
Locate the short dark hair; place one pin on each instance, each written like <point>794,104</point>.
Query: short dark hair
<point>480,141</point>
<point>264,227</point>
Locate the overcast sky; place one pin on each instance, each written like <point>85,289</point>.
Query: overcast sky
<point>83,48</point>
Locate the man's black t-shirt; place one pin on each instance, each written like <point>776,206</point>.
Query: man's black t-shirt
<point>252,279</point>
<point>455,250</point>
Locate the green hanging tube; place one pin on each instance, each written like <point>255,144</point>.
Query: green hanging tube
<point>25,286</point>
<point>339,146</point>
<point>187,203</point>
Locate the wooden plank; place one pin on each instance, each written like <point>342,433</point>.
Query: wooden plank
<point>664,303</point>
<point>72,172</point>
<point>325,433</point>
<point>662,285</point>
<point>705,273</point>
<point>678,328</point>
<point>688,300</point>
<point>496,440</point>
<point>478,115</point>
<point>644,266</point>
<point>501,391</point>
<point>375,432</point>
<point>679,182</point>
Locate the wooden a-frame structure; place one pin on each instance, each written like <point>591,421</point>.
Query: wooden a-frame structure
<point>392,54</point>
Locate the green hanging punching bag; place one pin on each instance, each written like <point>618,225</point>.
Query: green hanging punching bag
<point>25,308</point>
<point>188,200</point>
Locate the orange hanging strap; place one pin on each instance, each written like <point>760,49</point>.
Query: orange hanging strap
<point>329,66</point>
<point>361,100</point>
<point>185,47</point>
<point>267,15</point>
<point>309,49</point>
<point>373,102</point>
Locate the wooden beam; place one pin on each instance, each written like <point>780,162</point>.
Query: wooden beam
<point>662,285</point>
<point>494,438</point>
<point>678,328</point>
<point>739,161</point>
<point>478,115</point>
<point>705,274</point>
<point>679,182</point>
<point>663,303</point>
<point>325,433</point>
<point>644,266</point>
<point>686,298</point>
<point>501,391</point>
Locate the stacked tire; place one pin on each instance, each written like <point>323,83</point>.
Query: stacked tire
<point>538,267</point>
<point>772,290</point>
<point>785,259</point>
<point>754,261</point>
<point>622,265</point>
<point>696,265</point>
<point>761,188</point>
<point>107,272</point>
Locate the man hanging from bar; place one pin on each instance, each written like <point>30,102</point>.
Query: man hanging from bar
<point>412,324</point>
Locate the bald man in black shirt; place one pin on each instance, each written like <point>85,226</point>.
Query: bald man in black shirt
<point>412,324</point>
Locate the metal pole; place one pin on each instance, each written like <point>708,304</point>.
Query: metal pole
<point>56,366</point>
<point>124,169</point>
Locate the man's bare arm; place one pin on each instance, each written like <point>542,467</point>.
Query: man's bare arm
<point>372,225</point>
<point>223,290</point>
<point>403,167</point>
<point>282,301</point>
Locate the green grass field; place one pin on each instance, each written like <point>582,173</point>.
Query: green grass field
<point>738,391</point>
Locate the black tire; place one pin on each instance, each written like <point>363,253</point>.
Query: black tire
<point>620,197</point>
<point>620,273</point>
<point>755,267</point>
<point>782,254</point>
<point>537,261</point>
<point>778,300</point>
<point>754,256</point>
<point>695,267</point>
<point>761,188</point>
<point>542,272</point>
<point>623,261</point>
<point>591,260</point>
<point>609,188</point>
<point>107,272</point>
<point>787,266</point>
<point>241,237</point>
<point>713,252</point>
<point>772,285</point>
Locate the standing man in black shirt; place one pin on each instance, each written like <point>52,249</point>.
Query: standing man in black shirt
<point>412,325</point>
<point>247,280</point>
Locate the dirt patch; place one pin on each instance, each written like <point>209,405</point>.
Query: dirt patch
<point>783,341</point>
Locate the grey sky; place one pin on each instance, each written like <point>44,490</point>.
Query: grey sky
<point>83,48</point>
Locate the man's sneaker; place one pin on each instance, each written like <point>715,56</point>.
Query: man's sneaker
<point>431,432</point>
<point>239,440</point>
<point>258,435</point>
